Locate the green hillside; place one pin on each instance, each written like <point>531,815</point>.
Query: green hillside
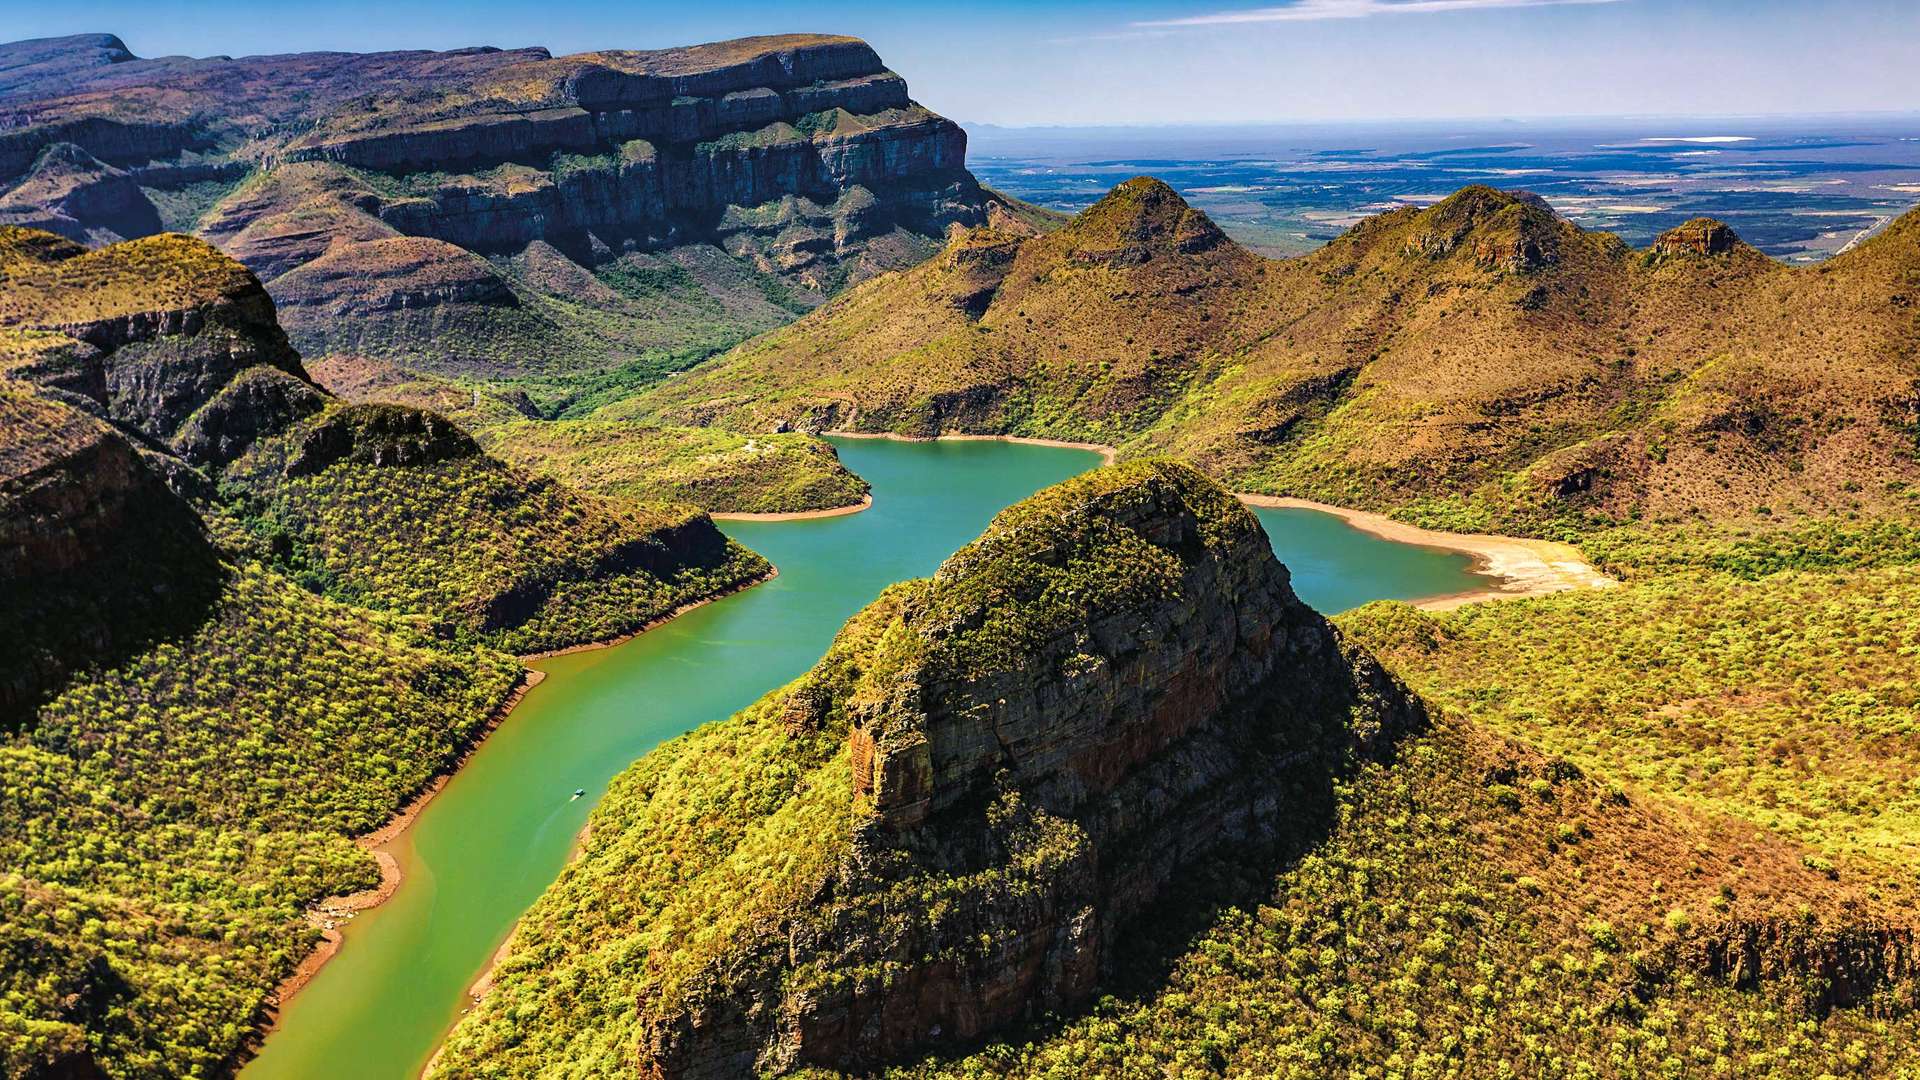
<point>1480,361</point>
<point>776,889</point>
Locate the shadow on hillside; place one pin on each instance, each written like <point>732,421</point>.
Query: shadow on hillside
<point>1140,958</point>
<point>158,580</point>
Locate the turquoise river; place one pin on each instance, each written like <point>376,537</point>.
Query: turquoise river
<point>500,831</point>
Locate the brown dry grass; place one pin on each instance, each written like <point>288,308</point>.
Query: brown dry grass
<point>1479,346</point>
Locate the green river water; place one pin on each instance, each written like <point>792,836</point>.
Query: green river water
<point>500,831</point>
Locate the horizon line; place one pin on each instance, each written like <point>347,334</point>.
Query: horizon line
<point>1494,118</point>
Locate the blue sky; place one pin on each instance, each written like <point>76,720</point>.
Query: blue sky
<point>1168,61</point>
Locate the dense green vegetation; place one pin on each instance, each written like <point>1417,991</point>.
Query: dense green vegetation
<point>1768,676</point>
<point>167,819</point>
<point>720,471</point>
<point>717,470</point>
<point>190,737</point>
<point>181,208</point>
<point>1474,912</point>
<point>520,562</point>
<point>1725,761</point>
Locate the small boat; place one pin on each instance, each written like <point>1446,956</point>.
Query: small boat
<point>577,792</point>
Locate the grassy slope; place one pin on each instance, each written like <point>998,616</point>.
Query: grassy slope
<point>1479,361</point>
<point>721,471</point>
<point>521,562</point>
<point>170,812</point>
<point>186,779</point>
<point>156,274</point>
<point>1752,677</point>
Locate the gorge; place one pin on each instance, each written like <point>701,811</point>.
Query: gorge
<point>636,563</point>
<point>497,835</point>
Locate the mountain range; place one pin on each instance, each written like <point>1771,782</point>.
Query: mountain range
<point>534,218</point>
<point>1481,360</point>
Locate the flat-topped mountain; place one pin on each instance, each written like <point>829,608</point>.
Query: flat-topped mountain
<point>499,213</point>
<point>1481,350</point>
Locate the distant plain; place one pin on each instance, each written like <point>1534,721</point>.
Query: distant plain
<point>1799,190</point>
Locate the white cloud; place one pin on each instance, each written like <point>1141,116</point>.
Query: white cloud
<point>1316,10</point>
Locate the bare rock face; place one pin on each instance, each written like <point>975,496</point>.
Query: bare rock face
<point>1112,685</point>
<point>1699,237</point>
<point>66,482</point>
<point>72,193</point>
<point>799,155</point>
<point>153,330</point>
<point>259,402</point>
<point>97,555</point>
<point>385,435</point>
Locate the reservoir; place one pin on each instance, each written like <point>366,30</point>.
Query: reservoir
<point>496,836</point>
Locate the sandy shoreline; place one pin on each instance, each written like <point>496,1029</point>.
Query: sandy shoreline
<point>796,515</point>
<point>1520,567</point>
<point>330,915</point>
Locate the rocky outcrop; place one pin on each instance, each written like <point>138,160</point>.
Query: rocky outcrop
<point>1515,232</point>
<point>1698,237</point>
<point>260,402</point>
<point>1111,686</point>
<point>157,329</point>
<point>386,435</point>
<point>1827,966</point>
<point>529,111</point>
<point>66,484</point>
<point>392,274</point>
<point>97,555</point>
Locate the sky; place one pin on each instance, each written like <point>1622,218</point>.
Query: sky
<point>1155,62</point>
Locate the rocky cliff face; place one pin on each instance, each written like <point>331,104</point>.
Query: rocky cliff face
<point>171,354</point>
<point>801,158</point>
<point>147,334</point>
<point>1112,684</point>
<point>97,555</point>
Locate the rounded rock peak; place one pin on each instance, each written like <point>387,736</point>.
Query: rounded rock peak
<point>1702,236</point>
<point>1477,202</point>
<point>1138,220</point>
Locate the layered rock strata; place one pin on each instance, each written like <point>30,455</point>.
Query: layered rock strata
<point>800,157</point>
